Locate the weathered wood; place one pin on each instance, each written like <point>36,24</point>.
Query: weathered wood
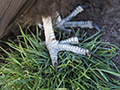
<point>27,12</point>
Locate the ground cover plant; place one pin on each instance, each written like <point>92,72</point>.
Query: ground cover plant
<point>28,66</point>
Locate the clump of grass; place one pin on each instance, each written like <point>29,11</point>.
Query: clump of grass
<point>28,66</point>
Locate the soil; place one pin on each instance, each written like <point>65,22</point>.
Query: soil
<point>104,13</point>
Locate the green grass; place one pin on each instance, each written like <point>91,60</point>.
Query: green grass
<point>28,66</point>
